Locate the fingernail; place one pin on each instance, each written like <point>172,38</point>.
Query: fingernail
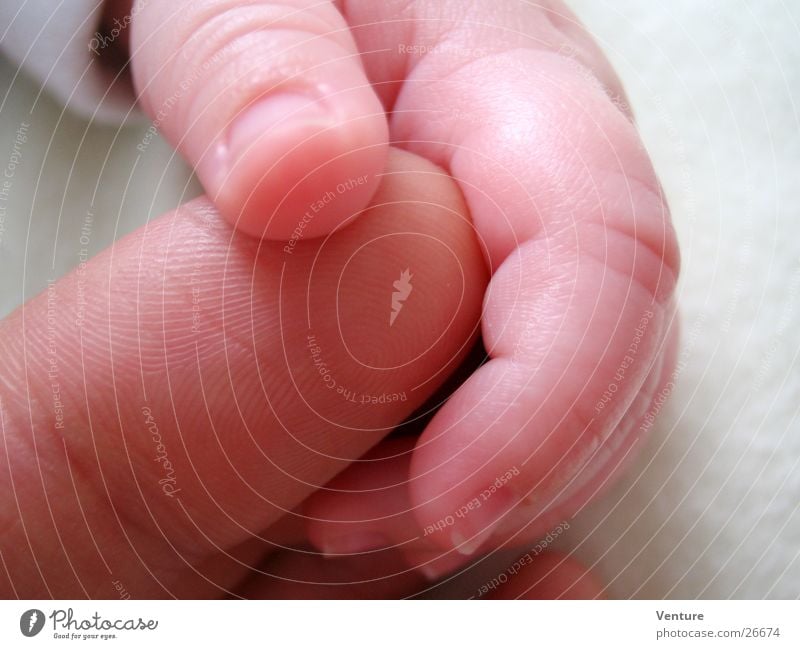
<point>470,531</point>
<point>277,112</point>
<point>433,569</point>
<point>355,543</point>
<point>284,119</point>
<point>468,545</point>
<point>430,572</point>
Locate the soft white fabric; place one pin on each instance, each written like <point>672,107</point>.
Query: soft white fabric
<point>711,507</point>
<point>55,42</point>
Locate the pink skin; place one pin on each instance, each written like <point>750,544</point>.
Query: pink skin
<point>271,119</point>
<point>190,336</point>
<point>368,507</point>
<point>295,575</point>
<point>551,576</point>
<point>580,246</point>
<point>519,107</point>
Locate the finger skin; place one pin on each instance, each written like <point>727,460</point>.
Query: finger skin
<point>298,575</point>
<point>367,509</point>
<point>551,575</point>
<point>520,109</point>
<point>191,410</point>
<point>269,103</point>
<point>304,574</point>
<point>368,506</point>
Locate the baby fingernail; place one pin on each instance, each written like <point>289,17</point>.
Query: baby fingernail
<point>479,521</point>
<point>434,568</point>
<point>270,131</point>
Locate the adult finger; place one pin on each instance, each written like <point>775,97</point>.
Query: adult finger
<point>270,104</point>
<point>187,388</point>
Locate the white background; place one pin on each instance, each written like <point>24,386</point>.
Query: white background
<point>406,624</point>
